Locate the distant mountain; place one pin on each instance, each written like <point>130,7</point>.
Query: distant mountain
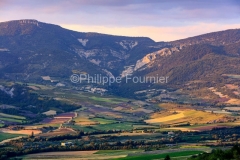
<point>227,37</point>
<point>202,57</point>
<point>30,49</point>
<point>193,63</point>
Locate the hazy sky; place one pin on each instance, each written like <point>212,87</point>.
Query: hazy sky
<point>161,20</point>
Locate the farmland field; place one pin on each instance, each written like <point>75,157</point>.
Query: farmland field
<point>74,155</point>
<point>103,120</point>
<point>12,118</point>
<point>179,115</point>
<point>62,131</point>
<point>55,120</point>
<point>116,126</point>
<point>81,128</point>
<point>130,121</point>
<point>118,151</point>
<point>4,136</point>
<point>23,131</point>
<point>158,156</point>
<point>145,126</point>
<point>186,116</point>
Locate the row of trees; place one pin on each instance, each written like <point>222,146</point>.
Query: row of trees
<point>218,154</point>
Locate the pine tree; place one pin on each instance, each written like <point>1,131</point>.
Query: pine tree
<point>167,157</point>
<point>32,135</point>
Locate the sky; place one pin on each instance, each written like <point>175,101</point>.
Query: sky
<point>161,20</point>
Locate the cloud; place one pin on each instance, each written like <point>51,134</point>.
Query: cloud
<point>4,3</point>
<point>158,19</point>
<point>129,12</point>
<point>156,33</point>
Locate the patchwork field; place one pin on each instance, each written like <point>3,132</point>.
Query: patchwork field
<point>138,121</point>
<point>113,154</point>
<point>8,119</point>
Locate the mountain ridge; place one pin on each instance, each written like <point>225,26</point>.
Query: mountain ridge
<point>30,49</point>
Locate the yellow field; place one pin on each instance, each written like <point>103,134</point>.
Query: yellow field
<point>162,114</point>
<point>188,115</point>
<point>181,129</point>
<point>82,119</point>
<point>167,118</point>
<point>85,121</point>
<point>27,132</point>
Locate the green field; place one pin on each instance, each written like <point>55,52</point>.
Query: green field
<point>103,120</point>
<point>81,128</point>
<point>11,120</point>
<point>12,116</point>
<point>145,127</point>
<point>158,156</point>
<point>4,136</point>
